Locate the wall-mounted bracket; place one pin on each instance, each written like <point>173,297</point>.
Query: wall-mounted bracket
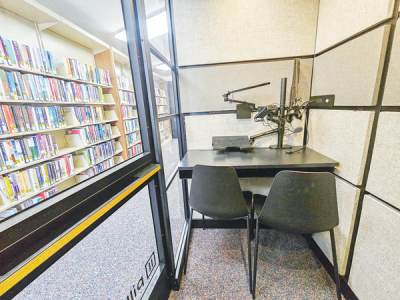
<point>44,26</point>
<point>322,101</point>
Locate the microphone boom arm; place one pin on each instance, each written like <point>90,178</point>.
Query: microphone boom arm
<point>226,96</point>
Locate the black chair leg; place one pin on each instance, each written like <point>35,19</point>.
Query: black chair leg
<point>335,265</point>
<point>255,260</point>
<point>188,239</point>
<point>204,223</point>
<point>252,219</point>
<point>249,252</point>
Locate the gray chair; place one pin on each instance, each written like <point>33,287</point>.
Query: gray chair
<point>215,192</point>
<point>299,202</point>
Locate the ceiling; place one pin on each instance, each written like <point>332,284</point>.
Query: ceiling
<point>101,18</point>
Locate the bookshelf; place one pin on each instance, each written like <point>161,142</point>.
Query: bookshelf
<point>76,85</point>
<point>65,78</point>
<point>80,166</point>
<point>163,110</point>
<point>127,100</point>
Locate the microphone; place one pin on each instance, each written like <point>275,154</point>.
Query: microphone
<point>297,126</point>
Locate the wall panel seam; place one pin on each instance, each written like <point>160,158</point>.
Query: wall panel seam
<point>383,201</point>
<point>386,21</point>
<point>392,22</point>
<point>246,62</point>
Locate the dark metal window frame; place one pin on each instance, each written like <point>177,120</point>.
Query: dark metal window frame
<point>145,95</point>
<point>145,90</point>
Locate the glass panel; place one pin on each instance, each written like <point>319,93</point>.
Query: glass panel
<point>157,26</point>
<point>170,153</point>
<point>68,67</point>
<point>176,212</point>
<point>163,86</point>
<point>169,146</point>
<point>116,259</point>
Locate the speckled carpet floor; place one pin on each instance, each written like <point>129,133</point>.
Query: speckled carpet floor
<point>287,269</point>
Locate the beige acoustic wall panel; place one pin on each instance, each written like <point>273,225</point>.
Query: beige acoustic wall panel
<point>347,196</point>
<point>343,136</point>
<point>391,96</point>
<point>201,128</point>
<point>375,270</point>
<point>215,31</point>
<point>201,89</point>
<point>384,174</point>
<point>352,71</point>
<point>341,19</point>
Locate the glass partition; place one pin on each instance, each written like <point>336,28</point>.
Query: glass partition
<point>68,108</point>
<point>163,71</point>
<point>157,26</point>
<point>163,85</point>
<point>69,121</point>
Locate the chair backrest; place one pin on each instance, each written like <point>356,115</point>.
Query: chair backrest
<point>301,202</point>
<point>215,192</point>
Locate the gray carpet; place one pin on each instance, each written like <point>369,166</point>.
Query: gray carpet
<point>287,269</point>
<point>107,263</point>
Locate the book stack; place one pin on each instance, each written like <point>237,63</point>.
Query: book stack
<point>97,169</point>
<point>92,134</point>
<point>17,86</point>
<point>163,125</point>
<point>21,184</point>
<point>86,114</point>
<point>127,97</point>
<point>164,133</point>
<point>128,112</point>
<point>85,93</point>
<point>133,138</point>
<point>160,93</point>
<point>21,118</point>
<point>38,198</point>
<point>131,125</point>
<point>8,213</point>
<point>96,154</point>
<point>161,101</point>
<point>123,82</point>
<point>135,150</point>
<point>162,110</point>
<point>16,153</point>
<point>14,54</point>
<point>76,70</point>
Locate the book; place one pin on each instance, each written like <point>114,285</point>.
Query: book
<point>4,85</point>
<point>46,63</point>
<point>11,53</point>
<point>17,153</point>
<point>4,189</point>
<point>18,54</point>
<point>11,85</point>
<point>52,65</point>
<point>17,85</point>
<point>28,87</point>
<point>39,59</point>
<point>3,56</point>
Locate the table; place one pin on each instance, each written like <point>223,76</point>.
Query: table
<point>258,162</point>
